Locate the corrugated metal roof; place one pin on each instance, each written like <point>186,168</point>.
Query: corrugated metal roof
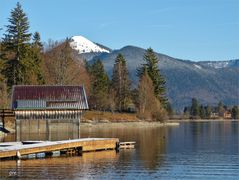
<point>48,97</point>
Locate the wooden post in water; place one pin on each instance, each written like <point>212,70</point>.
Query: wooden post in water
<point>18,130</point>
<point>48,130</point>
<point>38,127</point>
<point>3,121</point>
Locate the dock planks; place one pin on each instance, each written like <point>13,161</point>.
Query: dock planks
<point>85,144</point>
<point>127,145</point>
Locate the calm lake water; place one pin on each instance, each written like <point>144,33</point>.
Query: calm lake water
<point>199,150</point>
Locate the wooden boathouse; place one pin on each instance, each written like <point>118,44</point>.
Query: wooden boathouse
<point>37,107</point>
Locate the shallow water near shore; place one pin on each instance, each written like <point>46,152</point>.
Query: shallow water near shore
<point>192,150</point>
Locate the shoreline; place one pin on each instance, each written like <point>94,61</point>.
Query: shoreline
<point>128,124</point>
<point>202,120</point>
<point>173,122</point>
<point>138,123</point>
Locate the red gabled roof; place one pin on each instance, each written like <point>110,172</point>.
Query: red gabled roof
<point>31,92</point>
<point>48,92</point>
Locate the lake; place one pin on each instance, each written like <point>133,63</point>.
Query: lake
<point>192,150</point>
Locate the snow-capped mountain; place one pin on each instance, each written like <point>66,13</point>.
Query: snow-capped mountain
<point>208,81</point>
<point>185,79</point>
<point>83,45</point>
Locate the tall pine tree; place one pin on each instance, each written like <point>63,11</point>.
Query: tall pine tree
<point>16,44</point>
<point>208,111</point>
<point>194,111</point>
<point>37,41</point>
<point>33,62</point>
<point>202,112</point>
<point>151,65</point>
<point>220,109</point>
<point>99,86</point>
<point>121,84</point>
<point>3,86</point>
<point>235,112</point>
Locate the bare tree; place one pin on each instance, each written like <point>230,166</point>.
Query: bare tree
<point>149,107</point>
<point>63,67</point>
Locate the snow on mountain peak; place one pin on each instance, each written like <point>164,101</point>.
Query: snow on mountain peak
<point>197,66</point>
<point>83,45</point>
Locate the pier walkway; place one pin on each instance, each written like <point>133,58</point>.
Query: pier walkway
<point>16,149</point>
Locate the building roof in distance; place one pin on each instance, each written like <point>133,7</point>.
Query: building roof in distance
<point>49,97</point>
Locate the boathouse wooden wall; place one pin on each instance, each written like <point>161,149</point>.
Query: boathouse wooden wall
<point>41,109</point>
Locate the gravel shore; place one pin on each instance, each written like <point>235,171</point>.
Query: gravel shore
<point>129,124</point>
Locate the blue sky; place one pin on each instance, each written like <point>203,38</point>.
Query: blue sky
<point>187,29</point>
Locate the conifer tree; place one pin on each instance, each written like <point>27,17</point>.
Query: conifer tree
<point>3,92</point>
<point>16,43</point>
<point>202,112</point>
<point>235,112</point>
<point>1,55</point>
<point>186,111</point>
<point>3,85</point>
<point>37,41</point>
<point>99,86</point>
<point>220,109</point>
<point>208,111</point>
<point>121,83</point>
<point>194,111</point>
<point>151,65</point>
<point>169,109</point>
<point>34,61</point>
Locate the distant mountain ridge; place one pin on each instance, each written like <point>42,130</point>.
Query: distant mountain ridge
<point>221,64</point>
<point>208,81</point>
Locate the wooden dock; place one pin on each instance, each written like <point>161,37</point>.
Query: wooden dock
<point>17,149</point>
<point>127,145</point>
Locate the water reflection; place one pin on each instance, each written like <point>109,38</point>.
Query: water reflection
<point>200,150</point>
<point>216,137</point>
<point>150,142</point>
<point>58,168</point>
<point>50,130</point>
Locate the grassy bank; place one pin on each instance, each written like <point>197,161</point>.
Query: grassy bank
<point>109,117</point>
<point>116,120</point>
<point>100,116</point>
